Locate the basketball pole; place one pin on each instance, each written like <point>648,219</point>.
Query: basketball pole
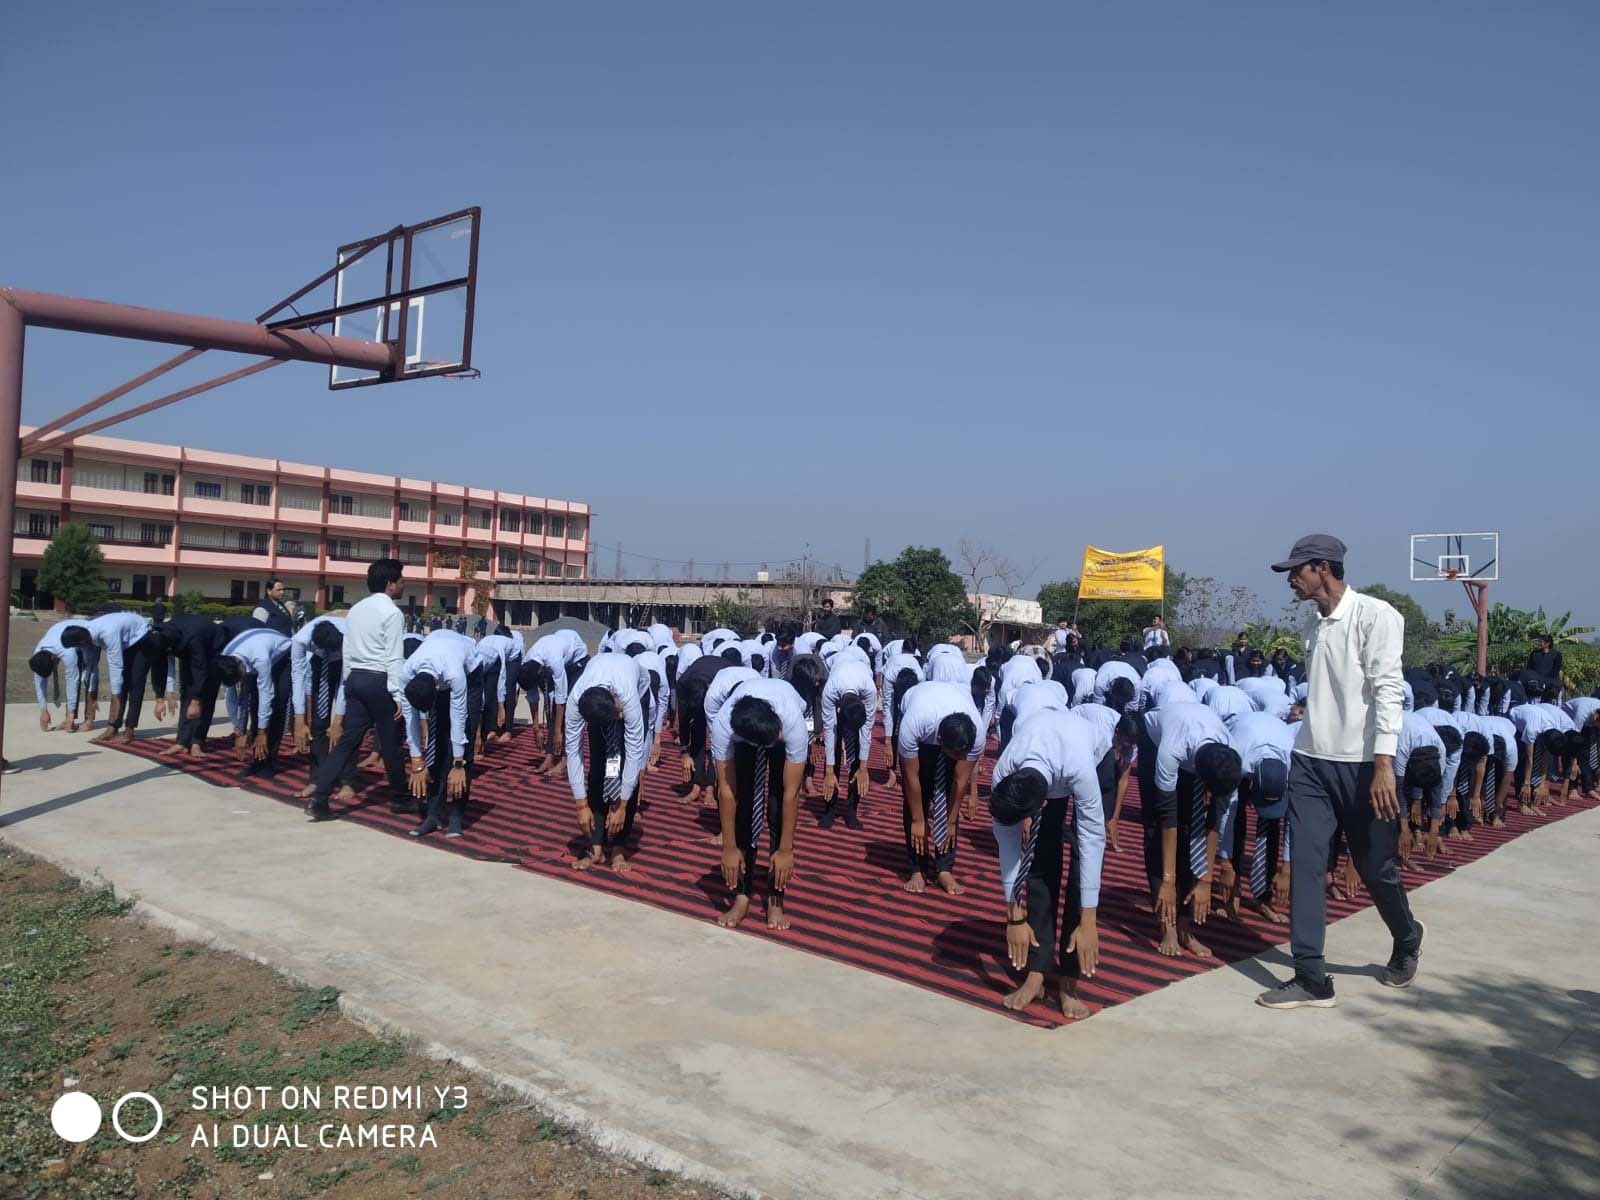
<point>1478,596</point>
<point>12,333</point>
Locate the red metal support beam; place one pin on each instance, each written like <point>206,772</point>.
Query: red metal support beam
<point>11,339</point>
<point>105,398</point>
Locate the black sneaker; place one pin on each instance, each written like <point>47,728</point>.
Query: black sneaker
<point>319,810</point>
<point>1299,992</point>
<point>1402,965</point>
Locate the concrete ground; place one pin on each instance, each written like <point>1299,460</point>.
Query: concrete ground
<point>794,1076</point>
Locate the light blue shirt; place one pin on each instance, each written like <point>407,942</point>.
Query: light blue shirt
<point>447,656</point>
<point>555,652</point>
<point>1060,747</point>
<point>1179,732</point>
<point>1083,681</point>
<point>301,651</point>
<point>258,650</point>
<point>1228,702</point>
<point>891,669</point>
<point>492,648</point>
<point>1108,673</point>
<point>627,680</point>
<point>844,679</point>
<point>114,633</point>
<point>926,705</point>
<point>785,702</point>
<point>1044,696</point>
<point>69,659</point>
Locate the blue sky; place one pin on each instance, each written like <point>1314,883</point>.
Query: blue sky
<point>758,277</point>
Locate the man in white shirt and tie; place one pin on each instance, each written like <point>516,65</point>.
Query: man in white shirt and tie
<point>373,649</point>
<point>1342,771</point>
<point>1156,634</point>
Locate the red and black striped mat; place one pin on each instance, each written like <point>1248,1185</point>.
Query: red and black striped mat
<point>845,902</point>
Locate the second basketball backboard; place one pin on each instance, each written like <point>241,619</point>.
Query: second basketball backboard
<point>1458,556</point>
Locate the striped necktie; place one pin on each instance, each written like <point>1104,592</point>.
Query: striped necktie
<point>611,789</point>
<point>1197,830</point>
<point>760,783</point>
<point>941,804</point>
<point>323,669</point>
<point>1490,789</point>
<point>851,739</point>
<point>249,700</point>
<point>1258,861</point>
<point>428,745</point>
<point>1030,844</point>
<point>1283,840</point>
<point>1593,756</point>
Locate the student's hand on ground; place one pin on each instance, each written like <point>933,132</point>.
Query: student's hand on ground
<point>1406,841</point>
<point>1227,878</point>
<point>260,748</point>
<point>456,782</point>
<point>302,736</point>
<point>417,779</point>
<point>335,730</point>
<point>830,783</point>
<point>782,867</point>
<point>615,819</point>
<point>1167,902</point>
<point>732,865</point>
<point>1085,942</point>
<point>1452,808</point>
<point>1111,833</point>
<point>1385,802</point>
<point>950,834</point>
<point>919,836</point>
<point>969,809</point>
<point>863,782</point>
<point>1199,901</point>
<point>1280,887</point>
<point>585,818</point>
<point>1019,940</point>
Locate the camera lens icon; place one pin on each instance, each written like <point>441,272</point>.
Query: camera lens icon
<point>76,1117</point>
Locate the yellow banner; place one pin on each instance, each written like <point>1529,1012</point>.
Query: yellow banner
<point>1137,575</point>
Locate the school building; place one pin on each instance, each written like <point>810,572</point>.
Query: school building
<point>172,519</point>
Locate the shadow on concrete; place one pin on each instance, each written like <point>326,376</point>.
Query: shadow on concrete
<point>1518,1080</point>
<point>46,762</point>
<point>88,793</point>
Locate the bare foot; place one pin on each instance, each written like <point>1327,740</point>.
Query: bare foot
<point>775,915</point>
<point>715,840</point>
<point>345,794</point>
<point>371,762</point>
<point>1169,942</point>
<point>916,885</point>
<point>731,918</point>
<point>1032,988</point>
<point>306,792</point>
<point>693,797</point>
<point>1267,912</point>
<point>198,750</point>
<point>619,862</point>
<point>1496,823</point>
<point>951,884</point>
<point>1230,905</point>
<point>584,862</point>
<point>1072,1008</point>
<point>1335,892</point>
<point>1192,944</point>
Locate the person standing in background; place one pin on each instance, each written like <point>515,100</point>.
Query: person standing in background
<point>272,611</point>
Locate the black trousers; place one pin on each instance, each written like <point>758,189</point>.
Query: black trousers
<point>596,780</point>
<point>367,705</point>
<point>1008,718</point>
<point>847,749</point>
<point>197,730</point>
<point>1589,757</point>
<point>1322,795</point>
<point>1153,822</point>
<point>444,749</point>
<point>135,672</point>
<point>1044,887</point>
<point>318,721</point>
<point>1271,830</point>
<point>747,760</point>
<point>275,721</point>
<point>513,669</point>
<point>692,736</point>
<point>931,761</point>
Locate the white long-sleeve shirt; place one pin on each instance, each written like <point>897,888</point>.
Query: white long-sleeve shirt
<point>1060,747</point>
<point>114,633</point>
<point>447,656</point>
<point>259,650</point>
<point>556,652</point>
<point>629,682</point>
<point>723,684</point>
<point>51,642</point>
<point>848,678</point>
<point>785,701</point>
<point>1353,681</point>
<point>374,639</point>
<point>926,705</point>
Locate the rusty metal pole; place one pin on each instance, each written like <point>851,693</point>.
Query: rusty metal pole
<point>11,338</point>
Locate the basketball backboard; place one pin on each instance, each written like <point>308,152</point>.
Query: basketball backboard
<point>1458,556</point>
<point>413,286</point>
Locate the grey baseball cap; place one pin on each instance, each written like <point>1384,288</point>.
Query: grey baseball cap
<point>1310,548</point>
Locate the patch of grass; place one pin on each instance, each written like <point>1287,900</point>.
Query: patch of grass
<point>409,1163</point>
<point>349,1058</point>
<point>448,1177</point>
<point>169,1014</point>
<point>480,1132</point>
<point>323,1180</point>
<point>657,1179</point>
<point>149,976</point>
<point>308,1005</point>
<point>125,1047</point>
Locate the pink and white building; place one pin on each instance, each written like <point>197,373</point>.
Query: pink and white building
<point>171,519</point>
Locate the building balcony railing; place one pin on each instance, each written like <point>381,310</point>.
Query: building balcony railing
<point>303,552</point>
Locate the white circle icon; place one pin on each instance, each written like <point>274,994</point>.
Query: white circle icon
<point>75,1117</point>
<point>116,1112</point>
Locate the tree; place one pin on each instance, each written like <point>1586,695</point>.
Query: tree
<point>73,569</point>
<point>732,610</point>
<point>1199,610</point>
<point>1423,634</point>
<point>1512,633</point>
<point>985,571</point>
<point>467,580</point>
<point>917,592</point>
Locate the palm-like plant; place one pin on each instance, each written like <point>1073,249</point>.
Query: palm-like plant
<point>1512,633</point>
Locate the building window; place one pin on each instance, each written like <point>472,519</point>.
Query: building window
<point>157,483</point>
<point>252,590</point>
<point>511,519</point>
<point>508,562</point>
<point>480,518</point>
<point>247,493</point>
<point>449,516</point>
<point>336,595</point>
<point>535,522</point>
<point>44,470</point>
<point>558,526</point>
<point>293,547</point>
<point>405,511</point>
<point>114,586</point>
<point>154,533</point>
<point>141,587</point>
<point>340,548</point>
<point>207,491</point>
<point>575,526</point>
<point>104,533</point>
<point>263,493</point>
<point>41,525</point>
<point>235,591</point>
<point>344,505</point>
<point>158,586</point>
<point>552,570</point>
